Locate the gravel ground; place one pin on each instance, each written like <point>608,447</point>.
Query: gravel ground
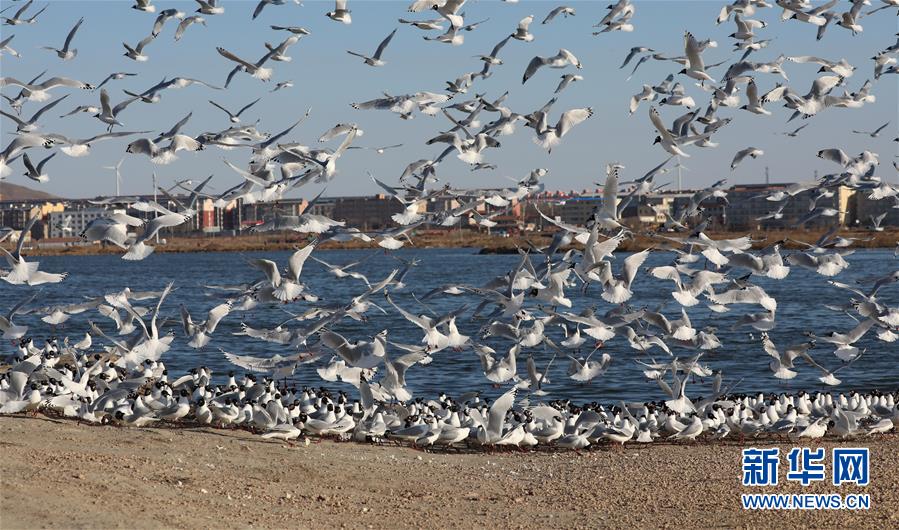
<point>62,474</point>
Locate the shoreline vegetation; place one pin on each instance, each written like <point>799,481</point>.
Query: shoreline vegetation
<point>486,244</point>
<point>233,479</point>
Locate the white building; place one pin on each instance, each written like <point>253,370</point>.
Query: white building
<point>70,223</point>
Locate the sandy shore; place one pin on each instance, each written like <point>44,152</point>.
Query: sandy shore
<point>434,239</point>
<point>62,474</point>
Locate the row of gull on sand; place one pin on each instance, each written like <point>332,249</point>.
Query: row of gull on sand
<point>105,393</point>
<point>522,309</point>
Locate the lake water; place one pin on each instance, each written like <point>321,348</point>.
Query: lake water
<point>801,298</point>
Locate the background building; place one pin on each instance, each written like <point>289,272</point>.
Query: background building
<point>367,212</point>
<point>15,214</point>
<point>866,210</point>
<point>740,211</point>
<point>748,202</point>
<point>71,222</point>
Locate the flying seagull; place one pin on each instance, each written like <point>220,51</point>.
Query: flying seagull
<point>164,17</point>
<point>794,133</point>
<point>296,30</point>
<point>379,150</point>
<point>65,53</point>
<point>282,84</point>
<point>493,58</point>
<point>694,68</point>
<point>144,5</point>
<point>340,13</point>
<point>5,47</point>
<point>31,124</point>
<point>561,10</point>
<point>114,76</point>
<point>234,116</point>
<point>210,7</point>
<point>560,60</point>
<point>521,32</point>
<point>875,133</point>
<point>254,69</point>
<point>77,147</point>
<point>262,3</point>
<point>41,91</point>
<point>753,152</point>
<point>17,18</point>
<point>90,109</point>
<point>375,60</point>
<point>633,52</point>
<point>137,53</point>
<point>36,174</point>
<point>186,22</point>
<point>567,79</point>
<point>109,115</point>
<point>22,272</point>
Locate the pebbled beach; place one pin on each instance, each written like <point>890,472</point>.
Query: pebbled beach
<point>63,474</point>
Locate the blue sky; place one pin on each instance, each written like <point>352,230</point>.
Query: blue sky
<point>327,80</point>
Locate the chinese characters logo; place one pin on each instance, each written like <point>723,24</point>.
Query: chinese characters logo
<point>760,466</point>
<point>806,465</point>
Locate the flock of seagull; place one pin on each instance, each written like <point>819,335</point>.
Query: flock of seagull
<point>116,373</point>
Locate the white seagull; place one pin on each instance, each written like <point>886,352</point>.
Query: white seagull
<point>65,53</point>
<point>560,60</point>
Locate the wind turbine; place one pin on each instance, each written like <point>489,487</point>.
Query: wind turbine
<point>118,176</point>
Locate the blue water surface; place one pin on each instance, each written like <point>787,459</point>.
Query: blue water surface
<point>801,308</point>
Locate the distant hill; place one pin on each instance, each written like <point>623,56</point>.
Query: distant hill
<point>14,192</point>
